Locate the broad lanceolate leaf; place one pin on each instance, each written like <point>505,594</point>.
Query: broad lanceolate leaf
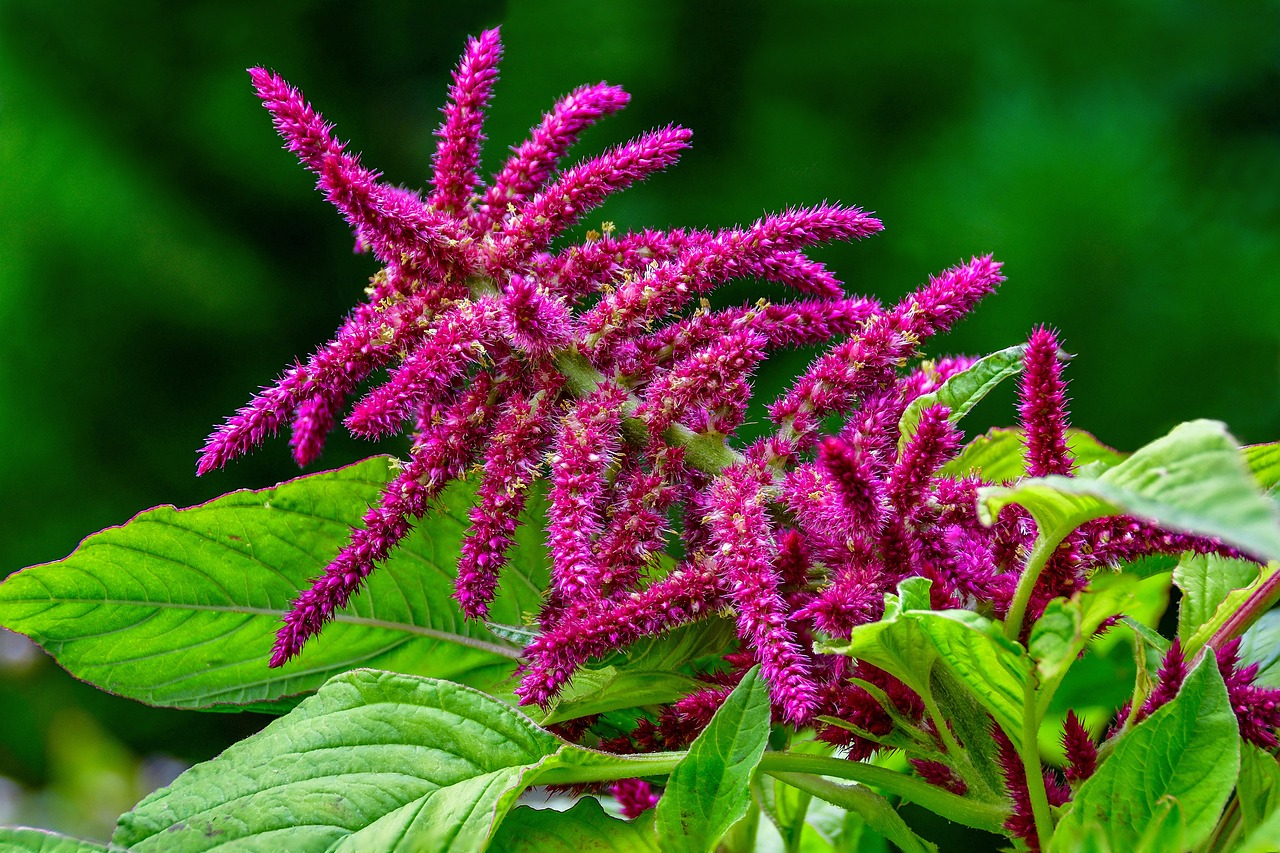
<point>709,789</point>
<point>375,761</point>
<point>1193,480</point>
<point>999,455</point>
<point>964,390</point>
<point>23,840</point>
<point>585,827</point>
<point>1187,753</point>
<point>180,607</point>
<point>1205,581</point>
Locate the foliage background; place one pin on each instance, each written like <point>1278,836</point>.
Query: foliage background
<point>161,256</point>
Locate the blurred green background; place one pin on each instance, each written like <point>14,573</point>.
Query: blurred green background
<point>161,256</point>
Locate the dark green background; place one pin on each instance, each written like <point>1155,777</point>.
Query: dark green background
<point>161,256</point>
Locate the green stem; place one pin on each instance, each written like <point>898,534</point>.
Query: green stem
<point>965,810</point>
<point>1039,558</point>
<point>873,808</point>
<point>1030,754</point>
<point>627,767</point>
<point>968,811</point>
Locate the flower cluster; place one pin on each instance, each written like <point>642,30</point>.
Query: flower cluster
<point>599,367</point>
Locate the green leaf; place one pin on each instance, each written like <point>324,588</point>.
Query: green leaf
<point>584,827</point>
<point>1228,608</point>
<point>999,455</point>
<point>709,789</point>
<point>1205,581</point>
<point>1059,636</point>
<point>1261,645</point>
<point>1264,462</point>
<point>647,673</point>
<point>961,392</point>
<point>1193,480</point>
<point>20,839</point>
<point>1187,751</point>
<point>1265,838</point>
<point>179,607</point>
<point>972,648</point>
<point>375,761</point>
<point>1258,788</point>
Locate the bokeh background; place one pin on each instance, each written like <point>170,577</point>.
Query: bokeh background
<point>161,256</point>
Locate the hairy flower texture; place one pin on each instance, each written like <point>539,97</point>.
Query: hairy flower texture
<point>1082,754</point>
<point>634,796</point>
<point>745,554</point>
<point>584,451</point>
<point>712,379</point>
<point>516,451</point>
<point>935,441</point>
<point>533,161</point>
<point>458,155</point>
<point>937,773</point>
<point>441,457</point>
<point>1173,671</point>
<point>686,594</point>
<point>868,361</point>
<point>1043,406</point>
<point>636,528</point>
<point>1021,823</point>
<point>1256,708</point>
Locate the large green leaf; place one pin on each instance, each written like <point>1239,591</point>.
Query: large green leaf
<point>1206,580</point>
<point>24,840</point>
<point>1186,753</point>
<point>585,827</point>
<point>179,607</point>
<point>709,789</point>
<point>375,761</point>
<point>964,390</point>
<point>1193,480</point>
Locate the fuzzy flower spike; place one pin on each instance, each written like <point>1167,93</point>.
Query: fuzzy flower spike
<point>598,366</point>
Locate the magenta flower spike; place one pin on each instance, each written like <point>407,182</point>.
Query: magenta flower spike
<point>745,552</point>
<point>586,445</point>
<point>391,220</point>
<point>458,154</point>
<point>440,458</point>
<point>516,449</point>
<point>532,163</point>
<point>1043,407</point>
<point>866,362</point>
<point>585,187</point>
<point>1256,708</point>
